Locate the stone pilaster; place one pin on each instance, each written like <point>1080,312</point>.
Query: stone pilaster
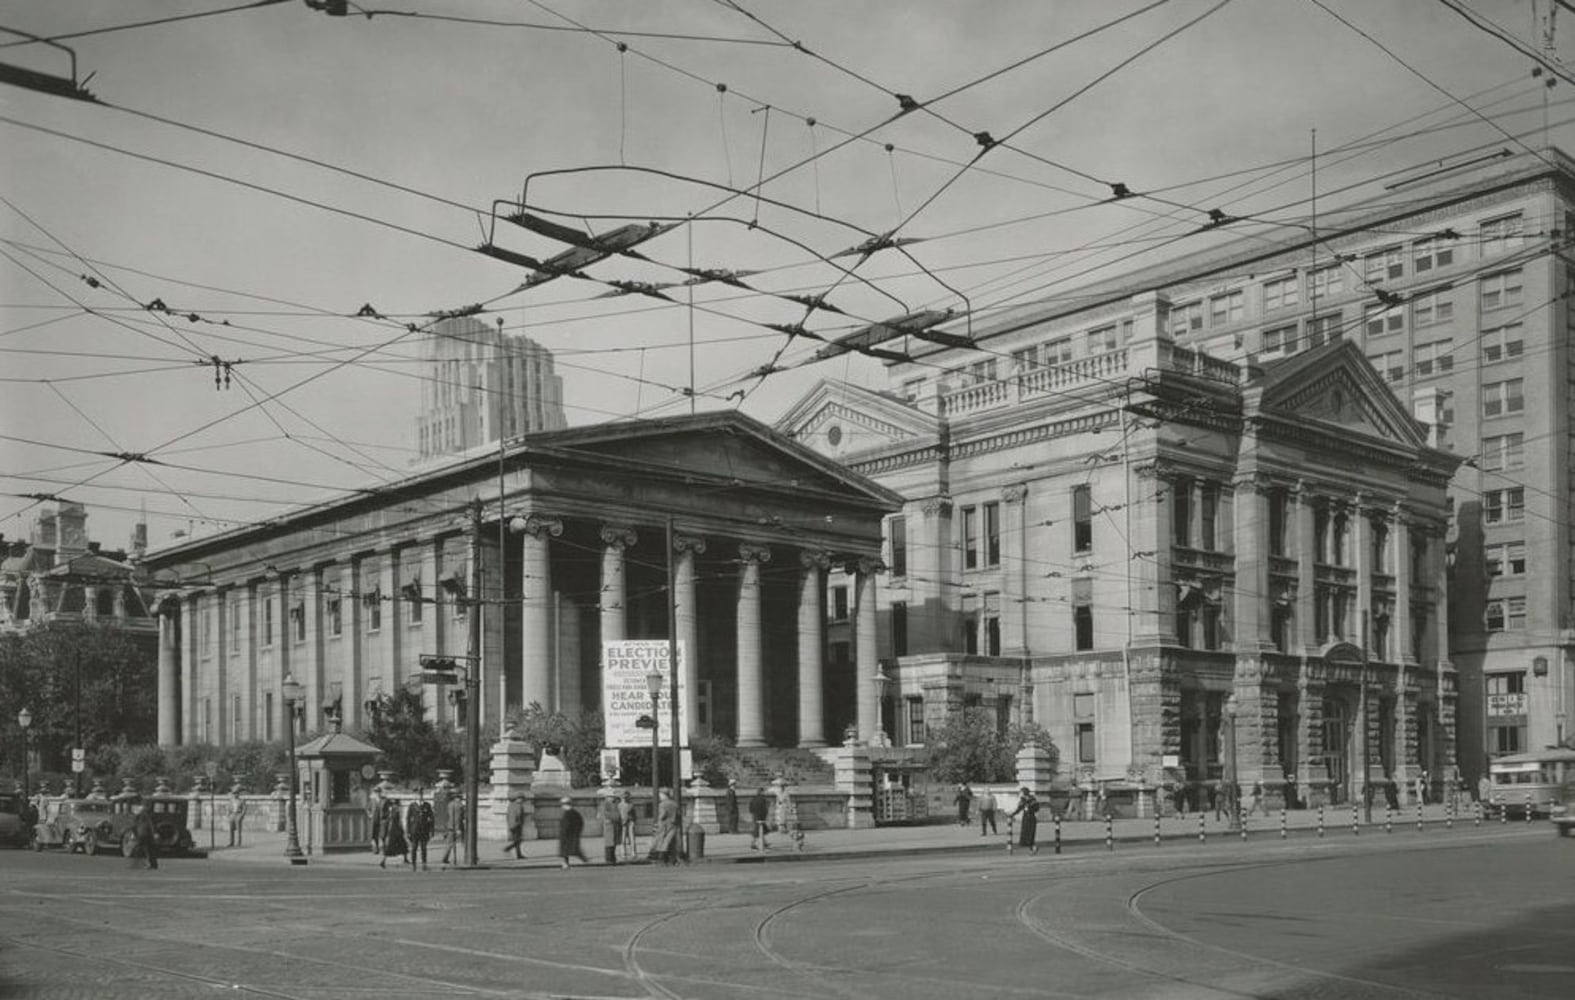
<point>1400,559</point>
<point>1014,561</point>
<point>1306,558</point>
<point>1250,538</point>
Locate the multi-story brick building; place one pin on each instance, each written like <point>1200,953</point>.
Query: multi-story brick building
<point>1454,285</point>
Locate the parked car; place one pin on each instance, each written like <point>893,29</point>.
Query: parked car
<point>15,830</point>
<point>118,833</point>
<point>74,824</point>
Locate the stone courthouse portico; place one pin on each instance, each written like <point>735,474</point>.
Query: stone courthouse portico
<point>347,595</point>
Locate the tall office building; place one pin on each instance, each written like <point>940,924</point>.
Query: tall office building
<point>483,385</point>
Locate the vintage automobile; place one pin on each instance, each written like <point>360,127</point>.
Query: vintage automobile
<point>118,833</point>
<point>13,823</point>
<point>73,824</point>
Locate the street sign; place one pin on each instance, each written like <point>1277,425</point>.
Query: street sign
<point>78,755</point>
<point>78,766</point>
<point>437,677</point>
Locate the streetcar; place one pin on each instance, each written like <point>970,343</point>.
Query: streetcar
<point>1537,781</point>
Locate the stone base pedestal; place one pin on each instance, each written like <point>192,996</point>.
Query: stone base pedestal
<point>854,776</point>
<point>1035,770</point>
<point>513,770</point>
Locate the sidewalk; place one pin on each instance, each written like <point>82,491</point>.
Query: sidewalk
<point>268,847</point>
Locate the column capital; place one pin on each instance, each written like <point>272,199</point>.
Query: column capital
<point>750,552</point>
<point>936,505</point>
<point>688,543</point>
<point>538,525</point>
<point>618,536</point>
<point>814,559</point>
<point>1014,493</point>
<point>865,565</point>
<point>1253,482</point>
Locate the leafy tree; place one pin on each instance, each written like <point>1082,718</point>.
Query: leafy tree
<point>971,747</point>
<point>107,671</point>
<point>577,741</point>
<point>413,747</point>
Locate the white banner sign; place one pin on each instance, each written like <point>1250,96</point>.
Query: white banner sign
<point>1506,704</point>
<point>626,696</point>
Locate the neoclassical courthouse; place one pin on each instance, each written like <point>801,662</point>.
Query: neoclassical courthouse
<point>1297,508</point>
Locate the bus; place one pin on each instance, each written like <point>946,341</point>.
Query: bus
<point>1535,781</point>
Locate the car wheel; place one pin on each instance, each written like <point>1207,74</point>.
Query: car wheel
<point>128,844</point>
<point>90,846</point>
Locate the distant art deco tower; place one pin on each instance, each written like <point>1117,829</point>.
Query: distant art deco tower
<point>482,385</point>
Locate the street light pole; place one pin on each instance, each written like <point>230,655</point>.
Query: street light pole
<point>1235,763</point>
<point>653,683</point>
<point>291,691</point>
<point>473,684</point>
<point>24,718</point>
<point>672,668</point>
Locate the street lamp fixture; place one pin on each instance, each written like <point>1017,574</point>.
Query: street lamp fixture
<point>1235,777</point>
<point>653,683</point>
<point>24,718</point>
<point>292,692</point>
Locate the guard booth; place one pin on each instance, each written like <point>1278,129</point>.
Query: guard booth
<point>336,779</point>
<point>901,792</point>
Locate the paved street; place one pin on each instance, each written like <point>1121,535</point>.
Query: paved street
<point>1468,912</point>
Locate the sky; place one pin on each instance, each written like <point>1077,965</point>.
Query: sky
<point>251,179</point>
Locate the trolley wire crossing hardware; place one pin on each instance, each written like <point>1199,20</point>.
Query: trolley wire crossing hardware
<point>443,669</point>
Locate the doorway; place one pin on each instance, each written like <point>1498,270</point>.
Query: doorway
<point>1337,734</point>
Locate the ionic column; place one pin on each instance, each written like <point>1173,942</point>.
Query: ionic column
<point>866,652</point>
<point>751,680</point>
<point>615,539</point>
<point>1400,558</point>
<point>190,608</point>
<point>1014,618</point>
<point>1363,533</point>
<point>169,676</point>
<point>1438,570</point>
<point>811,650</point>
<point>537,669</point>
<point>1306,558</point>
<point>685,613</point>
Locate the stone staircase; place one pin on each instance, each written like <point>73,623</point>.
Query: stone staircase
<point>761,765</point>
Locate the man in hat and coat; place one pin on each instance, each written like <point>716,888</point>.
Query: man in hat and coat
<point>516,821</point>
<point>570,826</point>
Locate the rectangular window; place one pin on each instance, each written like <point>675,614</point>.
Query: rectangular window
<point>839,604</point>
<point>1227,308</point>
<point>1501,291</point>
<point>1103,340</point>
<point>1083,626</point>
<point>1503,343</point>
<point>1503,452</point>
<point>268,715</point>
<point>992,633</point>
<point>335,615</point>
<point>235,625</point>
<point>1209,615</point>
<point>1058,351</point>
<point>1390,365</point>
<point>1181,512</point>
<point>981,372</point>
<point>899,628</point>
<point>1323,282</point>
<point>374,611</point>
<point>992,534</point>
<point>1384,265</point>
<point>1501,399</point>
<point>1186,318</point>
<point>1506,739</point>
<point>1504,506</point>
<point>1208,517</point>
<point>1280,340</point>
<point>915,721</point>
<point>1324,329</point>
<point>1383,320</point>
<point>1279,521</point>
<point>1506,614</point>
<point>266,639</point>
<point>236,719</point>
<point>413,598</point>
<point>899,546</point>
<point>1082,519</point>
<point>1085,743</point>
<point>1501,235</point>
<point>1514,683</point>
<point>1433,253</point>
<point>1280,293</point>
<point>1432,308</point>
<point>1184,627</point>
<point>1436,358</point>
<point>970,537</point>
<point>298,615</point>
<point>1505,558</point>
<point>1379,554</point>
<point>1280,621</point>
<point>1024,359</point>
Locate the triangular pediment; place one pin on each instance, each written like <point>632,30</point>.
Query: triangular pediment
<point>840,420</point>
<point>1336,385</point>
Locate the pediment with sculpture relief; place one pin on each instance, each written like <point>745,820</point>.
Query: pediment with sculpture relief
<point>840,420</point>
<point>1338,385</point>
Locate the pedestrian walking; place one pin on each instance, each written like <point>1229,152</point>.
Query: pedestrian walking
<point>664,838</point>
<point>516,823</point>
<point>1391,794</point>
<point>730,807</point>
<point>1421,788</point>
<point>612,827</point>
<point>987,812</point>
<point>1028,828</point>
<point>570,826</point>
<point>626,818</point>
<point>145,852</point>
<point>1256,801</point>
<point>759,811</point>
<point>374,819</point>
<point>394,845</point>
<point>964,801</point>
<point>420,821</point>
<point>237,815</point>
<point>1484,789</point>
<point>455,831</point>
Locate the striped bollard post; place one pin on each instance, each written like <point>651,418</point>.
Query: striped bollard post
<point>1449,814</point>
<point>1388,818</point>
<point>1476,813</point>
<point>1057,833</point>
<point>1320,821</point>
<point>1356,819</point>
<point>1202,828</point>
<point>1282,823</point>
<point>1419,815</point>
<point>1156,827</point>
<point>1528,807</point>
<point>1242,822</point>
<point>1503,814</point>
<point>1110,833</point>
